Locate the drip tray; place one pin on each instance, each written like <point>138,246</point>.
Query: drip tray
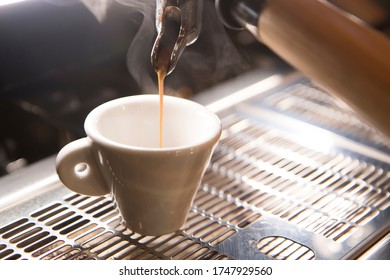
<point>296,175</point>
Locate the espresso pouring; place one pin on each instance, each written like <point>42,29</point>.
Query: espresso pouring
<point>161,77</point>
<point>161,68</point>
<point>162,54</point>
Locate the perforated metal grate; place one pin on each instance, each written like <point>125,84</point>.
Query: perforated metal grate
<point>81,227</point>
<point>305,101</point>
<point>329,194</point>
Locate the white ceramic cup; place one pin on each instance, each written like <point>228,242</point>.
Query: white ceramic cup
<point>153,187</point>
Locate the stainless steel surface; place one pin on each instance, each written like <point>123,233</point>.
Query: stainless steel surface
<point>296,175</point>
<point>380,251</point>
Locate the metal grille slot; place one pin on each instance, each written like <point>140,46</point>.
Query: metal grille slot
<point>281,248</point>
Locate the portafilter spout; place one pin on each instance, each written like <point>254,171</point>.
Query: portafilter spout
<point>178,24</point>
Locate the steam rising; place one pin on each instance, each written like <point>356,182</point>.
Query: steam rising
<point>138,55</point>
<point>211,59</point>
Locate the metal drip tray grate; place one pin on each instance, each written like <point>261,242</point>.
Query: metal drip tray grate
<point>329,194</point>
<point>305,101</point>
<point>81,227</point>
<point>275,189</point>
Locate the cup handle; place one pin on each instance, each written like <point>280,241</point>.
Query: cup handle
<point>78,170</point>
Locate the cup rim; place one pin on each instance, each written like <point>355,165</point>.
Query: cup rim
<point>96,136</point>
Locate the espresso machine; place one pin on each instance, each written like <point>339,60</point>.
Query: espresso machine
<point>313,36</point>
<point>302,169</point>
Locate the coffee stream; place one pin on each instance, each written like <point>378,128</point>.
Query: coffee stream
<point>162,57</point>
<point>161,74</point>
<point>162,65</point>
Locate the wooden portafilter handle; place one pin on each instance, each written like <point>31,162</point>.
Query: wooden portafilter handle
<point>337,51</point>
